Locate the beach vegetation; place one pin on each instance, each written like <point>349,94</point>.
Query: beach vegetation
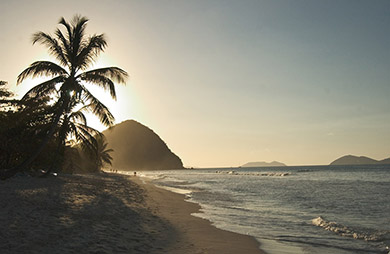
<point>64,97</point>
<point>23,124</point>
<point>4,92</point>
<point>102,156</point>
<point>97,158</point>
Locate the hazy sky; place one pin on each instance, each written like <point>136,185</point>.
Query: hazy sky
<point>228,82</point>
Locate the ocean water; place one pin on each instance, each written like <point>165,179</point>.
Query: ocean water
<point>290,210</point>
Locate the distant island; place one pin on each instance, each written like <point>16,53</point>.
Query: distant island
<point>136,147</point>
<point>263,164</point>
<point>359,160</point>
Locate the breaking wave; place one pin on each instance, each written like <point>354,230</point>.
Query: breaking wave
<point>254,173</point>
<point>343,230</point>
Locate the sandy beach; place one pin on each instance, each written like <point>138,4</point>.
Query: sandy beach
<point>106,213</point>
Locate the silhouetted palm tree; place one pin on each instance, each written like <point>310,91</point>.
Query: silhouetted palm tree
<point>101,154</point>
<point>75,53</point>
<point>73,126</point>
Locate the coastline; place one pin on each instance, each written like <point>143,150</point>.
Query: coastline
<point>106,213</point>
<point>193,234</point>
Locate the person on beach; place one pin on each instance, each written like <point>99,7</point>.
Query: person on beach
<point>135,173</point>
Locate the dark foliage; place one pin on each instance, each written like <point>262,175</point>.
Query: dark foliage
<point>52,112</point>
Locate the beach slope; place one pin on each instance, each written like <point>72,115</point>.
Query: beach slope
<point>105,213</point>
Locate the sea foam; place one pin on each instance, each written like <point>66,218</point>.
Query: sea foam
<point>254,173</point>
<point>343,230</point>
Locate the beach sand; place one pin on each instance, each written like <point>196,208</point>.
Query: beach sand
<point>105,213</point>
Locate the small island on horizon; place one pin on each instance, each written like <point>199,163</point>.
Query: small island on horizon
<point>358,160</point>
<point>342,161</point>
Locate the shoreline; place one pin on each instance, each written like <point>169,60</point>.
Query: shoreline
<point>199,234</point>
<point>106,213</point>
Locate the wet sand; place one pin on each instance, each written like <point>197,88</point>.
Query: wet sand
<point>105,213</point>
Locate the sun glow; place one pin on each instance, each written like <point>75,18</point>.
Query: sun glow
<point>121,108</point>
<point>27,84</point>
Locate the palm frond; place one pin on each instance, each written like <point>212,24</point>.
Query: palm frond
<point>103,144</point>
<point>78,117</point>
<point>41,68</point>
<point>99,109</point>
<point>114,73</point>
<point>52,44</point>
<point>78,28</point>
<point>103,151</point>
<point>69,31</point>
<point>64,44</point>
<point>102,154</point>
<point>44,89</point>
<point>72,129</point>
<point>85,135</point>
<point>107,158</point>
<point>90,50</point>
<point>100,81</point>
<point>86,108</point>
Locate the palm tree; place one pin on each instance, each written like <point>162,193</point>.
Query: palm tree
<point>75,53</point>
<point>101,156</point>
<point>73,127</point>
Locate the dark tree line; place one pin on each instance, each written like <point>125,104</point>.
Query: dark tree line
<point>47,128</point>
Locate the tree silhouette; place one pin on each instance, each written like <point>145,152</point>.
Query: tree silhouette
<point>6,97</point>
<point>75,53</point>
<point>73,125</point>
<point>101,155</point>
<point>22,127</point>
<point>4,93</point>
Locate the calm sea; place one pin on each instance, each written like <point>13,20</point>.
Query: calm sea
<point>311,209</point>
